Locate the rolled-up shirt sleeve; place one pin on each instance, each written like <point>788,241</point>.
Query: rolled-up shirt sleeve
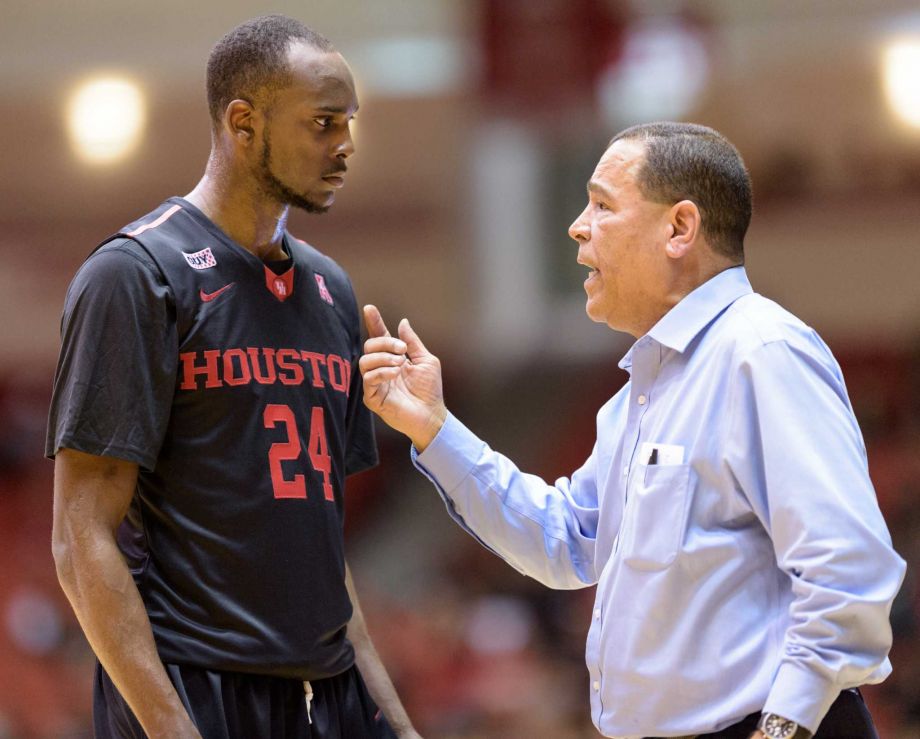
<point>797,453</point>
<point>547,532</point>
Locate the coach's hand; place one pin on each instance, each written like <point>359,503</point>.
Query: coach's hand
<point>402,380</point>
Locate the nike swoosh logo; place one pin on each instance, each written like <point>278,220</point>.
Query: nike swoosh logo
<point>208,297</point>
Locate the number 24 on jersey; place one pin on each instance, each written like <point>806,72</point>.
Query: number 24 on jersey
<point>283,451</point>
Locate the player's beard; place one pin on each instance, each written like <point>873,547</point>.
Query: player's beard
<point>276,189</point>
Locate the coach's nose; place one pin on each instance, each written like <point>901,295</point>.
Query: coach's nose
<point>580,230</point>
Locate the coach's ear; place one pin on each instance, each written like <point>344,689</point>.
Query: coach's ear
<point>685,226</point>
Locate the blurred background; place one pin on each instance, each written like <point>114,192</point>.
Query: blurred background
<point>480,123</point>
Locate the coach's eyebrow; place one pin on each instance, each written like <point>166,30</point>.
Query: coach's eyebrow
<point>598,188</point>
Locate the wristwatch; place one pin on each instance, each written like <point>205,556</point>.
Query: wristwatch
<point>774,726</point>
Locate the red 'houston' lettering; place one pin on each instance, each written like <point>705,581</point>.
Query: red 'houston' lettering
<point>315,358</point>
<point>339,370</point>
<point>230,376</point>
<point>190,371</point>
<point>266,366</point>
<point>296,376</point>
<point>269,377</point>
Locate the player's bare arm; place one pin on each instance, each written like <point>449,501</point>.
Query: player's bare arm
<point>402,380</point>
<point>91,497</point>
<point>371,667</point>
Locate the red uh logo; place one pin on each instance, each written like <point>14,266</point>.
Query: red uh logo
<point>280,287</point>
<point>323,290</point>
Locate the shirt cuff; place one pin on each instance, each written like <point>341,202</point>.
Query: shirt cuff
<point>800,695</point>
<point>451,455</point>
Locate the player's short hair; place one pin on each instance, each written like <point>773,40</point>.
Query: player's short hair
<point>686,161</point>
<point>251,60</point>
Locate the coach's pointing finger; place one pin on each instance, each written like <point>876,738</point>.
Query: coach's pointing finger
<point>374,322</point>
<point>405,394</point>
<point>380,340</point>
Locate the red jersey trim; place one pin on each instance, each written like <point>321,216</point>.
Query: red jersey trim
<point>158,222</point>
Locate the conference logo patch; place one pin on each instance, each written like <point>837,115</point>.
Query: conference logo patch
<point>323,290</point>
<point>203,259</point>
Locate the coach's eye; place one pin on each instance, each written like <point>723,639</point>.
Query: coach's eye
<point>323,121</point>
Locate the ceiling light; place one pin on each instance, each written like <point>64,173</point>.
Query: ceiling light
<point>106,117</point>
<point>901,71</point>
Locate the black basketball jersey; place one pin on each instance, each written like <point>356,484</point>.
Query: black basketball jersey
<point>237,392</point>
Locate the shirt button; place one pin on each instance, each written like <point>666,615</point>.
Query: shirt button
<point>597,613</point>
<point>596,686</point>
<point>642,400</point>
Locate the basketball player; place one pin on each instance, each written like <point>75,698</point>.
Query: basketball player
<point>206,412</point>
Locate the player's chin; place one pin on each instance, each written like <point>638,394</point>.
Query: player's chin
<point>314,203</point>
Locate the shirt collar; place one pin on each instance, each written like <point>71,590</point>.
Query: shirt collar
<point>680,325</point>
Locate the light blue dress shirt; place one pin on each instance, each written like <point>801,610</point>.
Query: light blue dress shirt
<point>747,567</point>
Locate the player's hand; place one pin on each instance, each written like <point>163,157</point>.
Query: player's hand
<point>402,380</point>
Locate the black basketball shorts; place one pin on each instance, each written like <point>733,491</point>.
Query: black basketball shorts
<point>232,705</point>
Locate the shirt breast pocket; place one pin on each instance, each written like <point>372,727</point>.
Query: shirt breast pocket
<point>656,516</point>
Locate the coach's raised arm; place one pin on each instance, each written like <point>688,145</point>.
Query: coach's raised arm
<point>402,384</point>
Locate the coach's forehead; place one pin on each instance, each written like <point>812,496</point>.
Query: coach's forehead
<point>622,158</point>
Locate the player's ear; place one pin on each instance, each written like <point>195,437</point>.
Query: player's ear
<point>685,226</point>
<point>239,122</point>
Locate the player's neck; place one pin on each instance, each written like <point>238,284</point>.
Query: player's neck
<point>252,222</point>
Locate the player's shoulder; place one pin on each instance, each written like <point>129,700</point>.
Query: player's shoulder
<point>169,231</point>
<point>123,255</point>
<point>119,257</point>
<point>161,219</point>
<point>116,271</point>
<point>125,247</point>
